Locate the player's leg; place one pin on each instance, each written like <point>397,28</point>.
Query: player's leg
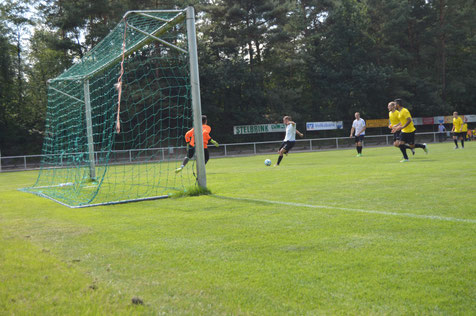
<point>403,147</point>
<point>455,139</point>
<point>409,147</point>
<point>358,146</point>
<point>207,155</point>
<point>396,141</point>
<point>285,150</point>
<point>190,153</point>
<point>422,146</point>
<point>462,140</point>
<point>361,143</point>
<point>281,152</point>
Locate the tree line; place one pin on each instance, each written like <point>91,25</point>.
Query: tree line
<point>316,60</point>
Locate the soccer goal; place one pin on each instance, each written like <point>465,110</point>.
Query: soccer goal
<point>116,119</point>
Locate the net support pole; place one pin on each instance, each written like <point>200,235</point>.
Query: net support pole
<point>196,104</point>
<point>89,131</point>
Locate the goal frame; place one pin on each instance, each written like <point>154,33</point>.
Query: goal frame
<point>188,15</point>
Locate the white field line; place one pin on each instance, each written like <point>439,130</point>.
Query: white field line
<point>356,210</point>
<point>5,188</point>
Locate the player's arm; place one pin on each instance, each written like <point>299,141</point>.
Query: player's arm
<point>214,142</point>
<point>207,138</point>
<point>352,131</point>
<point>409,120</point>
<point>395,127</point>
<point>297,132</point>
<point>188,136</point>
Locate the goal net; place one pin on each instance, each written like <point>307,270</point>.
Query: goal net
<point>116,119</point>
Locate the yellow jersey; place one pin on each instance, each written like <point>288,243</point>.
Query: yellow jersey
<point>393,117</point>
<point>457,123</point>
<point>403,115</point>
<point>465,128</point>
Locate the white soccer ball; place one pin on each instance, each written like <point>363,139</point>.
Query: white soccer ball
<point>267,162</point>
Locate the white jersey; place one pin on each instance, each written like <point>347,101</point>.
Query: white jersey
<point>359,125</point>
<point>290,133</point>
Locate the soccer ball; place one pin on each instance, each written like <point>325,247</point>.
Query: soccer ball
<point>267,162</point>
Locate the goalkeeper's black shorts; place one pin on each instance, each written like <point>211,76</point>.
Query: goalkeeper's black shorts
<point>191,152</point>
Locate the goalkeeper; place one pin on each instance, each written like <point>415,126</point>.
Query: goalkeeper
<point>190,139</point>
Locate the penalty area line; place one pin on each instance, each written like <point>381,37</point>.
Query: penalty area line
<point>355,210</point>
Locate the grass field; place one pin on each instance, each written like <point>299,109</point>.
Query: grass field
<point>324,233</point>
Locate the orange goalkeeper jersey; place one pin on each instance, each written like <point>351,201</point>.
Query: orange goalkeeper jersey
<point>190,137</point>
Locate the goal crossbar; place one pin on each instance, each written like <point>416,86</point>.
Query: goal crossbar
<point>148,38</point>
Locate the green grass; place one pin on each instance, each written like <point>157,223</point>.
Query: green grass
<point>195,190</point>
<point>72,186</point>
<point>216,254</point>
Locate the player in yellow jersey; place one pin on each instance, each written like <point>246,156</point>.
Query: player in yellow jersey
<point>407,129</point>
<point>393,121</point>
<point>457,130</point>
<point>464,130</point>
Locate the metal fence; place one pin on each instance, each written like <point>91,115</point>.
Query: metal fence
<point>32,162</point>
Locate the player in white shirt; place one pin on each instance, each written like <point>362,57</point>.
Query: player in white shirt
<point>358,129</point>
<point>289,139</point>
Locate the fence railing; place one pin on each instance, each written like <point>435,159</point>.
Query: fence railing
<point>32,162</point>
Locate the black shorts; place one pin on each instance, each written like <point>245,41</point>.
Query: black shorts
<point>408,138</point>
<point>359,138</point>
<point>288,145</point>
<point>191,152</point>
<point>397,135</point>
<point>462,134</point>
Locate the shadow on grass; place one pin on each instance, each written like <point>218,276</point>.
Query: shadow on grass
<point>244,200</point>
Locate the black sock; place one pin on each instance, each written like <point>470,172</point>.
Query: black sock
<point>462,143</point>
<point>419,146</point>
<point>407,146</point>
<point>456,142</point>
<point>279,160</point>
<point>357,148</point>
<point>185,161</point>
<point>403,149</point>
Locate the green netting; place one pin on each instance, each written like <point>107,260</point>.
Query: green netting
<point>139,162</point>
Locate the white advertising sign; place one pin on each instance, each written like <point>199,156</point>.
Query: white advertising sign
<point>258,129</point>
<point>417,121</point>
<point>470,118</point>
<point>321,126</point>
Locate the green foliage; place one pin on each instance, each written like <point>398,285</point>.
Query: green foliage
<point>259,60</point>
